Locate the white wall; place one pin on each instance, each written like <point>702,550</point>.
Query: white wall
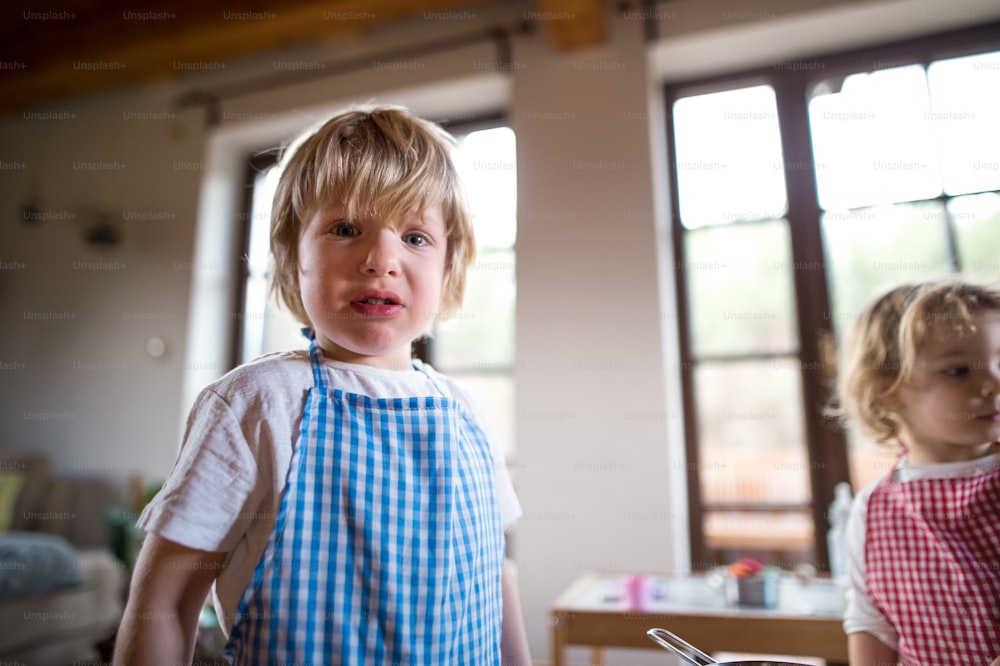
<point>592,412</point>
<point>600,446</point>
<point>78,382</point>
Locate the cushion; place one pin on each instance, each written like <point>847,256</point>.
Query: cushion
<point>33,563</point>
<point>36,469</point>
<point>10,488</point>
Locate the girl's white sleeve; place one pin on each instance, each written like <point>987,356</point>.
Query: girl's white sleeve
<point>861,614</point>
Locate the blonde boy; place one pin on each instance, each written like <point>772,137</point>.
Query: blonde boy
<point>344,506</point>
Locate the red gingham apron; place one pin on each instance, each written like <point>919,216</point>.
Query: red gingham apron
<point>932,557</point>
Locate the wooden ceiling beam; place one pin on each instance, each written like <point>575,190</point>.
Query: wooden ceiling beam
<point>52,60</point>
<point>97,45</point>
<point>573,24</point>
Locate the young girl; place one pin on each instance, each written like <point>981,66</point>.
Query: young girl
<point>344,505</point>
<point>921,367</point>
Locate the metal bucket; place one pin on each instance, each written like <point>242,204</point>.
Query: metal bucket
<point>693,655</point>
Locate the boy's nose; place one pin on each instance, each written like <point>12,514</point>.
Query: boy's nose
<point>991,384</point>
<point>382,254</point>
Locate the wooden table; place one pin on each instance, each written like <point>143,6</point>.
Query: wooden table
<point>595,612</point>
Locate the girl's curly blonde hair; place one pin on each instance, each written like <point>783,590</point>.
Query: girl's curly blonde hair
<point>879,348</point>
<point>380,160</point>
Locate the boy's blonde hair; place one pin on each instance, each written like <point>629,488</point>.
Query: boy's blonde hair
<point>880,347</point>
<point>381,161</point>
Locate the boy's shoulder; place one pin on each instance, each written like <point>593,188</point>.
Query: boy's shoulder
<point>273,372</point>
<point>271,388</point>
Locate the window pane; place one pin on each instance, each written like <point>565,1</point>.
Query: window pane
<point>282,331</point>
<point>481,335</point>
<point>965,97</point>
<point>740,289</point>
<point>873,139</point>
<point>869,249</point>
<point>494,394</point>
<point>487,161</point>
<point>255,288</point>
<point>259,248</point>
<point>267,326</point>
<point>977,228</point>
<point>752,447</point>
<point>752,435</point>
<point>782,538</point>
<point>729,162</point>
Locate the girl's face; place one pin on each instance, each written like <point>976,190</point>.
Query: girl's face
<point>950,405</point>
<point>370,289</point>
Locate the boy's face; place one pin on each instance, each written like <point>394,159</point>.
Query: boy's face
<point>950,404</point>
<point>370,289</point>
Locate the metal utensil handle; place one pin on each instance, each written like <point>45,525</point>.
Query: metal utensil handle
<point>662,636</point>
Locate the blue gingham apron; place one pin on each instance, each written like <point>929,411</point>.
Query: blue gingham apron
<point>388,544</point>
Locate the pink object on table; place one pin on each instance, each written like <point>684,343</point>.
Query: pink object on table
<point>636,591</point>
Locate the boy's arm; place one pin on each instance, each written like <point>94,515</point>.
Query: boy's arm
<point>866,650</point>
<point>514,650</point>
<point>169,588</point>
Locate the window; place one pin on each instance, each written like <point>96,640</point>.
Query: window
<point>801,191</point>
<point>266,326</point>
<point>476,345</point>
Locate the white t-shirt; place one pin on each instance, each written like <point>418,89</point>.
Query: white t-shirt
<point>224,491</point>
<point>861,614</point>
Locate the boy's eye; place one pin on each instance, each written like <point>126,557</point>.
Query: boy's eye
<point>418,240</point>
<point>344,229</point>
<point>957,371</point>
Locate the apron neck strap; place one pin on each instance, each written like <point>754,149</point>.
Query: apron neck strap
<point>316,360</point>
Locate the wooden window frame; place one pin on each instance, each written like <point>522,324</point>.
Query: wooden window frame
<point>255,164</point>
<point>826,443</point>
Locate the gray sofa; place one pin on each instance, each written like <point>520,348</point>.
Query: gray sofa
<point>62,588</point>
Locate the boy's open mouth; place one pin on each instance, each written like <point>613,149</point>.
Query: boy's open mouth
<point>378,303</point>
